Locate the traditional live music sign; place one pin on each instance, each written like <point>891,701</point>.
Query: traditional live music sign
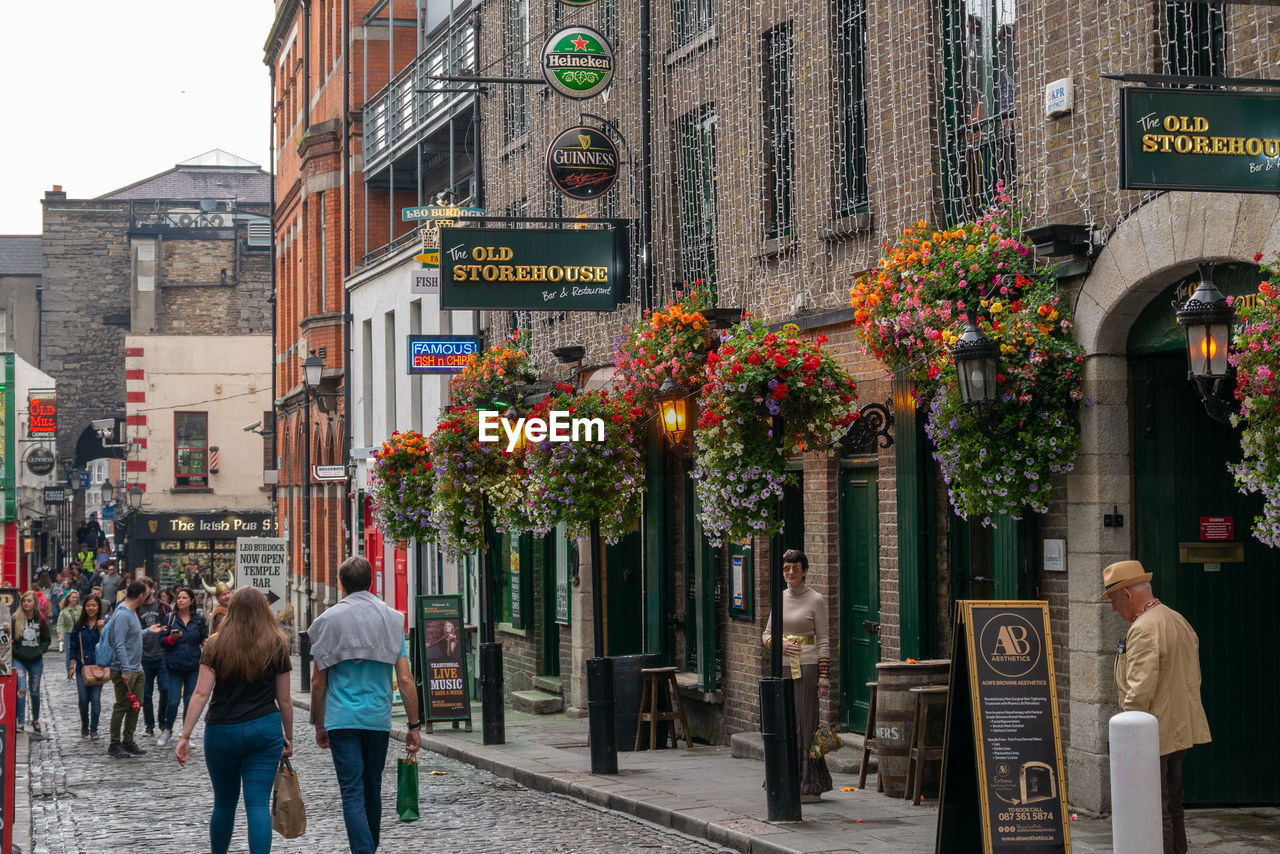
<point>440,354</point>
<point>442,660</point>
<point>582,163</point>
<point>1178,139</point>
<point>535,269</point>
<point>1002,765</point>
<point>42,415</point>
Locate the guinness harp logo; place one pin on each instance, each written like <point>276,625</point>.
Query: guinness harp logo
<point>582,163</point>
<point>152,524</point>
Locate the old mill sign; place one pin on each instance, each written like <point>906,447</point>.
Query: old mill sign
<point>1182,140</point>
<point>578,62</point>
<point>582,163</point>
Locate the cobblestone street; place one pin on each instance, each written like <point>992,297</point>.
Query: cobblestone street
<point>84,802</point>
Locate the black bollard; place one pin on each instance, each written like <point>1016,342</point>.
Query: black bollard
<point>601,709</point>
<point>304,653</point>
<point>781,753</point>
<point>494,715</point>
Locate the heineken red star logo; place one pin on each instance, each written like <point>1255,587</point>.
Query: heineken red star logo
<point>578,62</point>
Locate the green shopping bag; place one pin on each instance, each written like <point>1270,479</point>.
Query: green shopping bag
<point>407,788</point>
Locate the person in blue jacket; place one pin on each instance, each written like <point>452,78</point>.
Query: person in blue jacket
<point>183,643</point>
<point>84,644</point>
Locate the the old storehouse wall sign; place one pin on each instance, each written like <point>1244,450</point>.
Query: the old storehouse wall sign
<point>582,163</point>
<point>578,62</point>
<point>1175,139</point>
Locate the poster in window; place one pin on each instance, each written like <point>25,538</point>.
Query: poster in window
<point>561,547</point>
<point>741,579</point>
<point>442,659</point>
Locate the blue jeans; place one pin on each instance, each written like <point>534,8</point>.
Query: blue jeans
<point>155,675</point>
<point>28,683</point>
<point>182,684</point>
<point>250,752</point>
<point>90,697</point>
<point>359,756</point>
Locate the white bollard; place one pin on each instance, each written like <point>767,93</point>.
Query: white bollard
<point>1136,821</point>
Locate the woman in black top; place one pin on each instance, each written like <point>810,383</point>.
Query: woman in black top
<point>250,723</point>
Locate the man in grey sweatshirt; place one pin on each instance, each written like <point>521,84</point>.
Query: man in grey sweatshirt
<point>126,672</point>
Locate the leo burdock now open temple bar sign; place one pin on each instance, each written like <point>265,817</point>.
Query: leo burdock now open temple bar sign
<point>1002,769</point>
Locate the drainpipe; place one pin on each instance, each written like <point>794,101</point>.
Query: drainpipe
<point>348,528</point>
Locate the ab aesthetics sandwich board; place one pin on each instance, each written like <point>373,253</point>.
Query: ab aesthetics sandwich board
<point>1002,759</point>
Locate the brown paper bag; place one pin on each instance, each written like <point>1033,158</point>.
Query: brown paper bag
<point>288,813</point>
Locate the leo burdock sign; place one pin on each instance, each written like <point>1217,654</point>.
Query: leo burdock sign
<point>1002,768</point>
<point>442,660</point>
<point>263,562</point>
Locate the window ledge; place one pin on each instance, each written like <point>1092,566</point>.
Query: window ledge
<point>777,246</point>
<point>516,146</point>
<point>848,226</point>
<point>690,685</point>
<point>507,629</point>
<point>184,490</point>
<point>704,40</point>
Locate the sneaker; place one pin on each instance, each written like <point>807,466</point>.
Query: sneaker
<point>84,730</point>
<point>19,726</point>
<point>164,737</point>
<point>35,726</point>
<point>150,732</point>
<point>93,733</point>
<point>117,751</point>
<point>133,748</point>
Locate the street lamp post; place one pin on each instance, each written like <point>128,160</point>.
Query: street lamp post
<point>312,371</point>
<point>492,712</point>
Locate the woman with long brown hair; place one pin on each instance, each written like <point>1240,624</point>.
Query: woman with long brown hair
<point>31,639</point>
<point>245,667</point>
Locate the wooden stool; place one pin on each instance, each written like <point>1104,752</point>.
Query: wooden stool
<point>922,751</point>
<point>654,677</point>
<point>869,743</point>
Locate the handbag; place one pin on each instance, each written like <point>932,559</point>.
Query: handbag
<point>407,788</point>
<point>288,812</point>
<point>93,674</point>
<point>825,740</point>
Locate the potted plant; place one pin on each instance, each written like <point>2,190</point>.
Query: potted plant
<point>401,487</point>
<point>672,340</point>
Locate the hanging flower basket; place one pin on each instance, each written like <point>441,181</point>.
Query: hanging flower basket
<point>497,374</point>
<point>740,466</point>
<point>911,310</point>
<point>674,339</point>
<point>466,471</point>
<point>1255,355</point>
<point>576,481</point>
<point>402,484</point>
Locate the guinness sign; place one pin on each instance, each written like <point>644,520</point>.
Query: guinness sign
<point>582,163</point>
<point>40,461</point>
<point>578,62</point>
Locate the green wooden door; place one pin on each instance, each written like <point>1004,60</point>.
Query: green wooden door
<point>624,597</point>
<point>859,593</point>
<point>1180,458</point>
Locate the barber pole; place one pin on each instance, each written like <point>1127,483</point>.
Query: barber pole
<point>213,459</point>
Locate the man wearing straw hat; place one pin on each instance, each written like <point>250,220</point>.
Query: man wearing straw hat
<point>1158,672</point>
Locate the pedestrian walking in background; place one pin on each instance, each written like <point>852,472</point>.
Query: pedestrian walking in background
<point>110,582</point>
<point>83,645</point>
<point>67,616</point>
<point>806,645</point>
<point>186,635</point>
<point>357,645</point>
<point>154,674</point>
<point>125,633</point>
<point>221,595</point>
<point>1158,672</point>
<point>31,639</point>
<point>245,668</point>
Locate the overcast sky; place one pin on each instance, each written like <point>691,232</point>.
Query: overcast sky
<point>97,95</point>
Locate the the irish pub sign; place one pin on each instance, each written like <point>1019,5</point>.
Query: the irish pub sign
<point>1185,140</point>
<point>535,269</point>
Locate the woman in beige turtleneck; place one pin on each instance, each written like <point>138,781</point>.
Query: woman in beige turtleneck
<point>806,656</point>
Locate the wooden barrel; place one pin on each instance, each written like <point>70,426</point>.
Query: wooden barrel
<point>896,712</point>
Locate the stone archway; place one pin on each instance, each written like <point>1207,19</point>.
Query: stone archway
<point>1157,244</point>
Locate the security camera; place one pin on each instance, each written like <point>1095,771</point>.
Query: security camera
<point>104,425</point>
<point>249,428</point>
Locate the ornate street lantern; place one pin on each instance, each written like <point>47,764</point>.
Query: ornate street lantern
<point>977,364</point>
<point>135,497</point>
<point>1207,318</point>
<point>673,411</point>
<point>312,370</point>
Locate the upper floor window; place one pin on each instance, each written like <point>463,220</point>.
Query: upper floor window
<point>517,65</point>
<point>690,18</point>
<point>851,106</point>
<point>696,144</point>
<point>978,103</point>
<point>1195,38</point>
<point>191,449</point>
<point>779,58</point>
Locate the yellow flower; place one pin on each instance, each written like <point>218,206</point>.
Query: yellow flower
<point>997,307</point>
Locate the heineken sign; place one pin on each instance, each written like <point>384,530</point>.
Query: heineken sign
<point>578,62</point>
<point>582,163</point>
<point>1193,140</point>
<point>534,269</point>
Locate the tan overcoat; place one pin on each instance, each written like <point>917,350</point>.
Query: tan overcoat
<point>1158,672</point>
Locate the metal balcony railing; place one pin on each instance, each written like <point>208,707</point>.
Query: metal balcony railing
<point>404,112</point>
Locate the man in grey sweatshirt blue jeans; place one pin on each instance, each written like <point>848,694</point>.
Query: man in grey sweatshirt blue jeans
<point>126,672</point>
